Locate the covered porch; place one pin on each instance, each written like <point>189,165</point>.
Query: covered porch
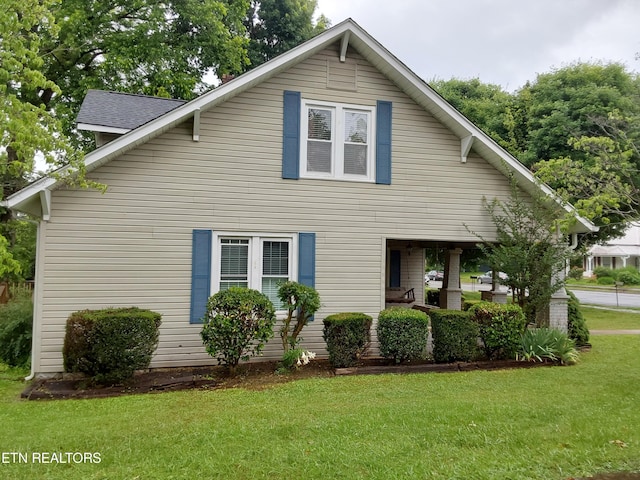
<point>404,282</point>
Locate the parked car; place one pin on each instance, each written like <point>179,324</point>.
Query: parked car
<point>487,277</point>
<point>434,275</point>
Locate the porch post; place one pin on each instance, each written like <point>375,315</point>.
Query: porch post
<point>558,310</point>
<point>451,293</point>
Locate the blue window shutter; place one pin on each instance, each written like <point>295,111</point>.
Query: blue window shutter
<point>200,274</point>
<point>383,143</point>
<point>291,136</point>
<point>307,259</point>
<point>394,265</point>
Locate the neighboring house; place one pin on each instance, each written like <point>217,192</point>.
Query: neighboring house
<point>333,165</point>
<point>616,253</point>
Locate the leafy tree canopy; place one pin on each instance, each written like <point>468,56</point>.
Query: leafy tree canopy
<point>276,26</point>
<point>577,127</point>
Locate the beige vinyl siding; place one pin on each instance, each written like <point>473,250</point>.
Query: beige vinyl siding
<point>132,245</point>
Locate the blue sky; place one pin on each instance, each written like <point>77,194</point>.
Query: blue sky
<point>505,42</point>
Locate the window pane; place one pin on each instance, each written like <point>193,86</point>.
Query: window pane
<point>355,159</point>
<point>275,269</point>
<point>318,156</point>
<point>270,289</point>
<point>275,258</point>
<point>319,124</point>
<point>226,285</point>
<point>234,263</point>
<point>355,127</point>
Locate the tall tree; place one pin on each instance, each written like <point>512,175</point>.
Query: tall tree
<point>276,26</point>
<point>140,46</point>
<point>27,127</point>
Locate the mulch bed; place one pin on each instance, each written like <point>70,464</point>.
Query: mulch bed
<point>254,376</point>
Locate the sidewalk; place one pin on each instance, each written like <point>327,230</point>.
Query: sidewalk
<point>614,332</point>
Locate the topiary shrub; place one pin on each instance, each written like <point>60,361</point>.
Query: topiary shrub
<point>606,281</point>
<point>109,345</point>
<point>237,324</point>
<point>501,327</point>
<point>403,334</point>
<point>577,325</point>
<point>16,324</point>
<point>455,336</point>
<point>347,336</point>
<point>301,302</point>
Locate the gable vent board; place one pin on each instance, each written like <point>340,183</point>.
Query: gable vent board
<point>342,75</point>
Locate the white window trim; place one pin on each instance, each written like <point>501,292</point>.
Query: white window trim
<point>337,135</point>
<point>256,240</point>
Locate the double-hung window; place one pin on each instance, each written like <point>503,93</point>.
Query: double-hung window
<point>260,262</point>
<point>337,141</point>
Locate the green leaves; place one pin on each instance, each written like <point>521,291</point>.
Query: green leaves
<point>237,324</point>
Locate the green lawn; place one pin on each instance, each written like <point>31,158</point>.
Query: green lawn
<point>599,319</point>
<point>544,423</point>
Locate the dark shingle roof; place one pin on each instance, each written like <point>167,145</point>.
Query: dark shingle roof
<point>122,110</point>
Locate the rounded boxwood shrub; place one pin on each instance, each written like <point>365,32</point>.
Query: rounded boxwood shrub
<point>501,327</point>
<point>403,334</point>
<point>237,324</point>
<point>455,336</point>
<point>109,345</point>
<point>347,336</point>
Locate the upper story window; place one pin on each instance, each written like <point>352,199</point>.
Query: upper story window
<point>337,141</point>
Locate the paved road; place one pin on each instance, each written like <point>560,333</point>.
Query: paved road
<point>588,297</point>
<point>609,299</point>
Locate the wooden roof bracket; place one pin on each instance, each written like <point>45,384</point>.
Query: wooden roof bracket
<point>465,147</point>
<point>196,125</point>
<point>45,202</point>
<point>344,43</point>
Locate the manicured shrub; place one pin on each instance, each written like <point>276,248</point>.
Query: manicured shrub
<point>467,304</point>
<point>16,323</point>
<point>403,334</point>
<point>455,336</point>
<point>237,324</point>
<point>629,277</point>
<point>540,344</point>
<point>577,325</point>
<point>576,273</point>
<point>600,272</point>
<point>109,345</point>
<point>606,281</point>
<point>433,297</point>
<point>347,336</point>
<point>500,326</point>
<point>301,302</point>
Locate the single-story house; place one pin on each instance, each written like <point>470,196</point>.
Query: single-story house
<point>616,253</point>
<point>333,165</point>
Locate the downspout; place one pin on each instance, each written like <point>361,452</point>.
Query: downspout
<point>36,288</point>
<point>574,241</point>
<point>32,373</point>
